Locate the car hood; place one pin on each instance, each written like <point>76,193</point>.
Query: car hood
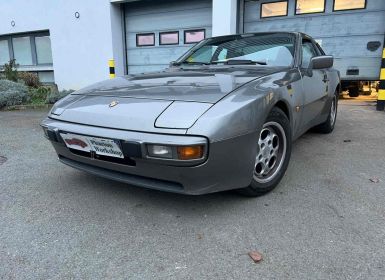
<point>173,99</point>
<point>207,85</point>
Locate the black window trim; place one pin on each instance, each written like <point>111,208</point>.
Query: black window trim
<point>312,13</point>
<point>287,9</point>
<point>193,30</point>
<point>353,9</point>
<point>145,34</point>
<point>32,35</point>
<point>320,50</point>
<point>168,32</point>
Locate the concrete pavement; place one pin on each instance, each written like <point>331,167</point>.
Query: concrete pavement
<point>324,221</point>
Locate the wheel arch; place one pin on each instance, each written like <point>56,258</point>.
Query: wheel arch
<point>338,88</point>
<point>281,104</point>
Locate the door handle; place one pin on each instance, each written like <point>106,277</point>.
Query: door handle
<point>325,78</point>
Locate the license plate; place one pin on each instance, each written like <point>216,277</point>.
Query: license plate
<point>101,146</point>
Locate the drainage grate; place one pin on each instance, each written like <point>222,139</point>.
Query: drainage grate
<point>2,160</point>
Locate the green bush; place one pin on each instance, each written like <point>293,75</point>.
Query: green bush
<point>10,71</point>
<point>53,97</point>
<point>12,93</point>
<point>38,95</point>
<point>29,79</point>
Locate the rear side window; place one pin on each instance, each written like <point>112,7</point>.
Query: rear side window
<point>308,51</point>
<point>320,50</point>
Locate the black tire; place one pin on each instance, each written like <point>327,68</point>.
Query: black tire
<point>258,188</point>
<point>354,92</point>
<point>328,125</point>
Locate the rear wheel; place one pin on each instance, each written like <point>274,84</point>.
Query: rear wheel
<point>328,125</point>
<point>274,146</point>
<point>354,91</point>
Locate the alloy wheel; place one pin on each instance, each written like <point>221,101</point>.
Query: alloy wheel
<point>272,149</point>
<point>333,111</point>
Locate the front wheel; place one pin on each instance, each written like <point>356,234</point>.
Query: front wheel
<point>274,150</point>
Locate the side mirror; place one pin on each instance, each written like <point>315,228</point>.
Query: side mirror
<point>172,63</point>
<point>320,62</point>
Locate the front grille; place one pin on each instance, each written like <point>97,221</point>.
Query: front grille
<point>124,177</point>
<point>125,160</point>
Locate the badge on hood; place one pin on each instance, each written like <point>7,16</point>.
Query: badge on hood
<point>113,104</point>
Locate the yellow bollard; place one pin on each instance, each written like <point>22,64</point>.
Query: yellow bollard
<point>111,65</point>
<point>381,88</point>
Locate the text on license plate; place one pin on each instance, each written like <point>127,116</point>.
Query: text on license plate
<point>101,146</point>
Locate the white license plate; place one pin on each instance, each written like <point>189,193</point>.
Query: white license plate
<point>101,146</point>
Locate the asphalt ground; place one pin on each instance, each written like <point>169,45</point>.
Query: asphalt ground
<point>324,221</point>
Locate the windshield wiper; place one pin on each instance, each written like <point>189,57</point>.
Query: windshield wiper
<point>190,63</point>
<point>244,61</point>
<point>227,62</point>
<point>239,62</point>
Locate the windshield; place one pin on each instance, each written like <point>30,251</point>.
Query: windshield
<point>261,49</point>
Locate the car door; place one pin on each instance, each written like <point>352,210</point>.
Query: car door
<point>315,86</point>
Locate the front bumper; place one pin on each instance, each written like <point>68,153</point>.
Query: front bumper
<point>228,164</point>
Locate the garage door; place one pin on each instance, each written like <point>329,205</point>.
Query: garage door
<point>351,31</point>
<point>158,32</point>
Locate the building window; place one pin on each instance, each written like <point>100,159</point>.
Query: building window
<point>43,50</point>
<point>46,77</point>
<point>143,40</point>
<point>31,51</point>
<point>275,9</point>
<point>169,38</point>
<point>309,6</point>
<point>4,52</point>
<point>340,5</point>
<point>22,51</point>
<point>194,36</point>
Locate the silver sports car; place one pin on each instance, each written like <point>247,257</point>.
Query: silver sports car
<point>221,117</point>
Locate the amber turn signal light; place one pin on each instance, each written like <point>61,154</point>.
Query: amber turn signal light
<point>190,152</point>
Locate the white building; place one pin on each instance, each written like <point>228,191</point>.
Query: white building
<point>70,42</point>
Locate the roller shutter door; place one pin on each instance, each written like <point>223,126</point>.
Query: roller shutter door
<point>148,20</point>
<point>347,35</point>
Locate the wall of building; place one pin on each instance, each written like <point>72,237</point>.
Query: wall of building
<point>334,30</point>
<point>225,17</point>
<point>80,47</point>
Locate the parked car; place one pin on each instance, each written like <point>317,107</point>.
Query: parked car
<point>222,117</point>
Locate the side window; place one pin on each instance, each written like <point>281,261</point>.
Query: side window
<point>308,51</point>
<point>222,55</point>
